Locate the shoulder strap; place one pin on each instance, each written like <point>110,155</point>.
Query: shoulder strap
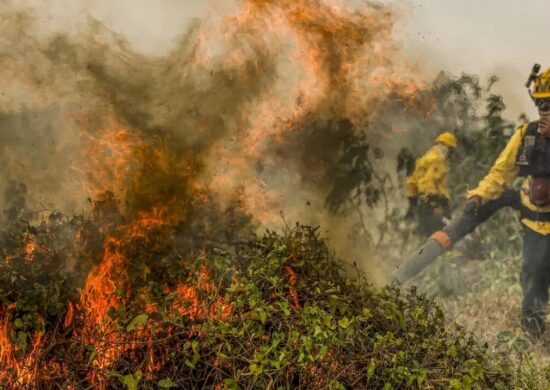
<point>529,134</point>
<point>533,128</point>
<point>530,128</point>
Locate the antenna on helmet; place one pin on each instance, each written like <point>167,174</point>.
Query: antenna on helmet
<point>532,77</point>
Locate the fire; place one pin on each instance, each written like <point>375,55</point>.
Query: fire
<point>298,62</point>
<point>97,298</point>
<point>188,303</point>
<point>340,63</point>
<point>108,159</point>
<point>108,288</point>
<point>23,370</point>
<point>30,249</point>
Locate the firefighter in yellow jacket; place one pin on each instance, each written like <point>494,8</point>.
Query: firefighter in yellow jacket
<point>427,188</point>
<point>527,155</point>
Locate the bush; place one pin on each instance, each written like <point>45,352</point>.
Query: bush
<point>276,312</point>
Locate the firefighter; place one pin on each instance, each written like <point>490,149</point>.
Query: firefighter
<point>527,155</point>
<point>427,189</point>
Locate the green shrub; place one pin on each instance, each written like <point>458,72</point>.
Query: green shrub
<point>295,322</point>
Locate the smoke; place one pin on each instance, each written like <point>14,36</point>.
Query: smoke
<point>256,112</point>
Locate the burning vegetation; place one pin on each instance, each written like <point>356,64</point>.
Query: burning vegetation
<point>135,189</point>
<point>275,311</point>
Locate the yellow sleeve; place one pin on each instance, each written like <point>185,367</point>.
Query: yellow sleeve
<point>503,172</point>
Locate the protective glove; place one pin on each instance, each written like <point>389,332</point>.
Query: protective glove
<point>472,205</point>
<point>441,207</point>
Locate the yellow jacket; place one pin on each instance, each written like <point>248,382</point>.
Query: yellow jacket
<point>430,175</point>
<point>502,175</point>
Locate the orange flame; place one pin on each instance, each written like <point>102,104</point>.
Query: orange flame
<point>20,370</point>
<point>30,249</point>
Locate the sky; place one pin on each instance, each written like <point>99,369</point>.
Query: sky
<point>502,37</point>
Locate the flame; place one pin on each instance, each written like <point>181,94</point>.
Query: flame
<point>23,370</point>
<point>97,298</point>
<point>30,249</point>
<point>69,316</point>
<point>189,304</point>
<point>313,60</point>
<point>107,288</point>
<point>107,161</point>
<point>340,62</point>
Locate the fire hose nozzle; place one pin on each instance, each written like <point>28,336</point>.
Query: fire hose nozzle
<point>439,243</point>
<point>442,241</point>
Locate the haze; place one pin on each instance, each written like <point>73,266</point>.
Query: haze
<point>502,37</point>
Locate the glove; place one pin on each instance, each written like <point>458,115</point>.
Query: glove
<point>440,206</point>
<point>472,205</point>
<point>413,203</point>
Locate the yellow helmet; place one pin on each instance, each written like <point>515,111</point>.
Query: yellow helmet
<point>447,139</point>
<point>542,85</point>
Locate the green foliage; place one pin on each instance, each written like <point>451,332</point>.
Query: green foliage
<point>40,268</point>
<point>479,146</point>
<point>167,383</point>
<point>345,334</point>
<point>365,187</point>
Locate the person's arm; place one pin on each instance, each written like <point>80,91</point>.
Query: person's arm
<point>503,172</point>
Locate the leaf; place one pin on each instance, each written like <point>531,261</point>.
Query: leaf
<point>367,313</point>
<point>371,368</point>
<point>317,330</point>
<point>262,315</point>
<point>131,380</point>
<point>22,338</point>
<point>335,385</point>
<point>256,369</point>
<point>231,384</point>
<point>138,320</point>
<point>421,378</point>
<point>196,357</point>
<point>452,352</point>
<point>344,323</point>
<point>167,383</point>
<point>92,357</point>
<point>455,384</point>
<point>476,372</point>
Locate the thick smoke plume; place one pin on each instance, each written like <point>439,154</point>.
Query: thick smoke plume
<point>254,113</point>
